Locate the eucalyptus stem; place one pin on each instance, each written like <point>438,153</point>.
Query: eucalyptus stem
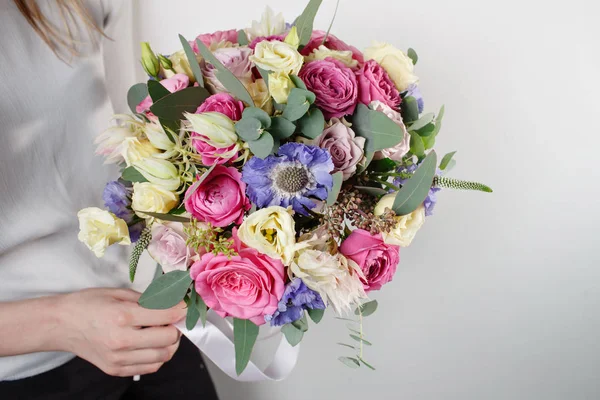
<point>360,322</point>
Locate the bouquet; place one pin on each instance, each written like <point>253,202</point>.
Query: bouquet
<point>272,172</point>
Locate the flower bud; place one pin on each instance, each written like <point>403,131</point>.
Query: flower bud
<point>292,37</point>
<point>217,128</point>
<point>159,172</point>
<point>280,86</point>
<point>165,62</point>
<point>157,136</point>
<point>149,61</point>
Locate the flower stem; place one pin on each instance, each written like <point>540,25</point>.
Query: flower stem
<point>385,183</point>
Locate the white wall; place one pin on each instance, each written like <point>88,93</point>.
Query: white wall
<point>499,296</point>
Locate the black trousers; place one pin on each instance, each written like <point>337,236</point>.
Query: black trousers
<point>184,377</point>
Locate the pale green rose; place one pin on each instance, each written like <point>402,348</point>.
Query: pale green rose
<point>397,64</point>
<point>99,229</point>
<point>134,150</point>
<point>152,198</point>
<point>217,129</point>
<point>280,86</point>
<point>322,52</point>
<point>406,226</point>
<point>159,172</point>
<point>277,56</point>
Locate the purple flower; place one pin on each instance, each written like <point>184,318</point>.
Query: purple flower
<point>431,199</point>
<point>135,231</point>
<point>296,175</point>
<point>414,91</point>
<point>296,298</point>
<point>117,198</point>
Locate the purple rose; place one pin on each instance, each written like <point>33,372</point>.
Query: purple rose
<point>334,85</point>
<point>375,84</point>
<point>223,103</point>
<point>235,59</point>
<point>345,147</point>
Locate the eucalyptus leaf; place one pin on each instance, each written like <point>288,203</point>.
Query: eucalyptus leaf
<point>166,291</point>
<point>131,174</point>
<point>193,314</point>
<point>428,141</point>
<point>296,107</point>
<point>259,114</point>
<point>409,109</point>
<point>166,217</point>
<point>191,57</point>
<point>446,160</point>
<point>312,123</point>
<point>301,323</point>
<point>135,95</point>
<point>337,4</point>
<point>281,128</point>
<point>373,191</point>
<point>350,362</point>
<point>304,23</point>
<point>242,38</point>
<point>264,74</point>
<point>156,90</point>
<point>248,128</point>
<point>412,54</point>
<point>170,127</point>
<point>363,165</point>
<point>438,121</point>
<point>173,106</point>
<point>379,130</point>
<point>245,333</point>
<point>316,314</point>
<point>299,83</point>
<point>421,122</point>
<point>263,146</point>
<point>416,144</point>
<point>367,309</point>
<point>347,345</point>
<point>416,188</point>
<point>200,308</point>
<point>292,334</point>
<point>383,165</point>
<point>226,77</point>
<point>366,364</point>
<point>338,178</point>
<point>427,130</point>
<point>359,339</point>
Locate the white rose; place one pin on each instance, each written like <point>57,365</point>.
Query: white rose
<point>152,198</point>
<point>406,226</point>
<point>397,64</point>
<point>98,229</point>
<point>277,56</point>
<point>322,52</point>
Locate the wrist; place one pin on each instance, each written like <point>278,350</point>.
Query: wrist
<point>57,323</point>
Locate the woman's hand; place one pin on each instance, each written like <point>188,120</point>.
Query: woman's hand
<point>109,329</point>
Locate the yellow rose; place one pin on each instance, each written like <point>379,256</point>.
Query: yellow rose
<point>397,64</point>
<point>270,231</point>
<point>260,95</point>
<point>406,225</point>
<point>217,128</point>
<point>181,65</point>
<point>159,172</point>
<point>98,229</point>
<point>322,52</point>
<point>277,56</point>
<point>153,198</point>
<point>134,150</point>
<point>280,86</point>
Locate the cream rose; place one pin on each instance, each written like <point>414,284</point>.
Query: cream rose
<point>152,198</point>
<point>280,86</point>
<point>260,95</point>
<point>322,52</point>
<point>270,231</point>
<point>98,229</point>
<point>277,56</point>
<point>406,226</point>
<point>397,64</point>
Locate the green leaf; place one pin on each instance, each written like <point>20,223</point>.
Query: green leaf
<point>424,120</point>
<point>244,337</point>
<point>446,160</point>
<point>227,79</point>
<point>409,109</point>
<point>131,174</point>
<point>299,83</point>
<point>427,130</point>
<point>373,191</point>
<point>312,123</point>
<point>338,178</point>
<point>415,190</point>
<point>242,38</point>
<point>315,314</point>
<point>281,128</point>
<point>158,272</point>
<point>166,217</point>
<point>292,334</point>
<point>248,128</point>
<point>196,310</point>
<point>347,345</point>
<point>264,74</point>
<point>301,323</point>
<point>299,102</point>
<point>366,309</point>
<point>383,165</point>
<point>191,57</point>
<point>135,95</point>
<point>337,4</point>
<point>170,127</point>
<point>263,146</point>
<point>304,23</point>
<point>350,362</point>
<point>416,144</point>
<point>173,106</point>
<point>412,54</point>
<point>156,90</point>
<point>428,141</point>
<point>259,114</point>
<point>190,191</point>
<point>363,165</point>
<point>366,364</point>
<point>438,121</point>
<point>166,291</point>
<point>359,339</point>
<point>379,130</point>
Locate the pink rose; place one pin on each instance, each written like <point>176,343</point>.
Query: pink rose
<point>168,246</point>
<point>259,39</point>
<point>332,43</point>
<point>220,199</point>
<point>235,59</point>
<point>375,84</point>
<point>173,84</point>
<point>334,84</point>
<point>223,103</point>
<point>377,260</point>
<point>345,147</point>
<point>214,38</point>
<point>246,286</point>
<point>398,151</point>
<point>210,154</point>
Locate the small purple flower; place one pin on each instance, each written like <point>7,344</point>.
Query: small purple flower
<point>414,91</point>
<point>431,199</point>
<point>297,297</point>
<point>293,177</point>
<point>135,231</point>
<point>117,198</point>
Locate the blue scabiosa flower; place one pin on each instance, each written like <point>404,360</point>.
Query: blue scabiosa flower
<point>297,297</point>
<point>293,177</point>
<point>414,91</point>
<point>117,198</point>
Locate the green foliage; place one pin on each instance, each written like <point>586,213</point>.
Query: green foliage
<point>242,38</point>
<point>409,109</point>
<point>156,90</point>
<point>415,190</point>
<point>417,147</point>
<point>315,314</point>
<point>138,249</point>
<point>192,189</point>
<point>245,333</point>
<point>421,122</point>
<point>366,309</point>
<point>350,362</point>
<point>379,131</point>
<point>304,23</point>
<point>338,178</point>
<point>373,191</point>
<point>191,57</point>
<point>281,128</point>
<point>438,121</point>
<point>166,217</point>
<point>383,165</point>
<point>446,160</point>
<point>301,323</point>
<point>263,146</point>
<point>264,74</point>
<point>135,95</point>
<point>259,114</point>
<point>412,54</point>
<point>292,334</point>
<point>130,174</point>
<point>337,4</point>
<point>173,106</point>
<point>196,310</point>
<point>299,83</point>
<point>359,339</point>
<point>299,102</point>
<point>208,238</point>
<point>312,123</point>
<point>249,128</point>
<point>166,291</point>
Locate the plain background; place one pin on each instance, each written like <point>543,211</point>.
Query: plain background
<point>499,295</point>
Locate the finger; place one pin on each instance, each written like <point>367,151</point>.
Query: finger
<point>145,317</point>
<point>160,336</point>
<point>132,370</point>
<point>147,356</point>
<point>125,294</point>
